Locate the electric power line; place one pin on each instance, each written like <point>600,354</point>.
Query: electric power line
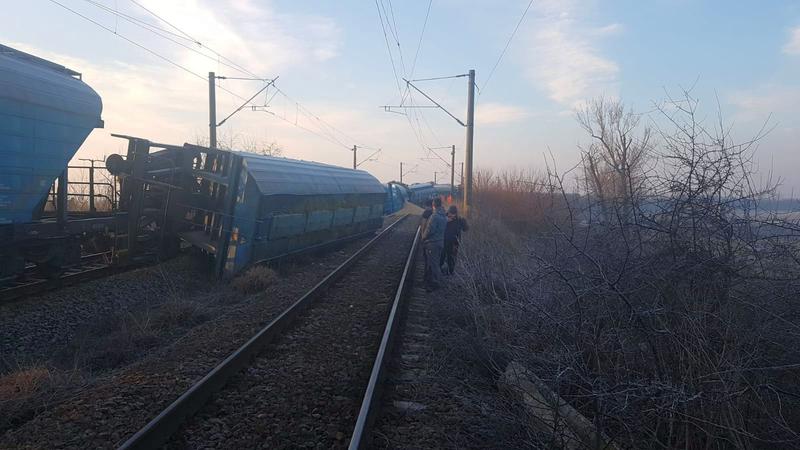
<point>158,32</point>
<point>421,35</point>
<point>505,48</point>
<point>330,136</point>
<point>196,41</point>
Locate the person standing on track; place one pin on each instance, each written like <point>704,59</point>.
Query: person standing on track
<point>452,238</point>
<point>433,243</point>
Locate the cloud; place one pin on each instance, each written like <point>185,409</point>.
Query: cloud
<point>563,60</point>
<point>499,113</point>
<point>248,31</point>
<point>792,47</point>
<point>759,103</point>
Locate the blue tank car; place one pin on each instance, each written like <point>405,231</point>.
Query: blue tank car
<point>46,112</point>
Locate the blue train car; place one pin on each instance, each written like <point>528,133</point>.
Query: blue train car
<point>284,206</point>
<point>240,208</point>
<point>422,193</point>
<point>46,112</point>
<point>396,196</point>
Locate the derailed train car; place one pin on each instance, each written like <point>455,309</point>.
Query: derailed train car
<point>396,197</point>
<point>240,208</point>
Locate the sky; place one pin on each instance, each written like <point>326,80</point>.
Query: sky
<point>339,62</point>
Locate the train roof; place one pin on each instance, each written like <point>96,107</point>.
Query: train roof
<point>284,176</point>
<point>420,186</point>
<point>36,61</point>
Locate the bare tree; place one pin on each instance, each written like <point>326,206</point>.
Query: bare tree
<point>230,140</point>
<point>614,162</point>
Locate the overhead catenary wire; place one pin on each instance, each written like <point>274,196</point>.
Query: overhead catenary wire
<point>331,138</point>
<point>143,47</point>
<point>421,36</point>
<point>166,34</point>
<point>508,43</point>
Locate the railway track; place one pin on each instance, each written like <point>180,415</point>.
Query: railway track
<point>311,376</point>
<point>92,266</point>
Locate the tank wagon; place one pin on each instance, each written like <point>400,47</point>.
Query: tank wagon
<point>396,197</point>
<point>46,112</point>
<point>241,208</point>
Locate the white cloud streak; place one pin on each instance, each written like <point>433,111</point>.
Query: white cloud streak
<point>562,59</point>
<point>792,46</point>
<point>499,113</point>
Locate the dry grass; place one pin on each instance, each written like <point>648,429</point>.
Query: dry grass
<point>256,279</point>
<point>22,383</point>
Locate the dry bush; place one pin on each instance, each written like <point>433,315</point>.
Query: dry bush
<point>255,279</point>
<point>669,319</point>
<point>22,383</point>
<point>520,199</point>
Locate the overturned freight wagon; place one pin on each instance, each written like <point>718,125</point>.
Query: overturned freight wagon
<point>242,208</point>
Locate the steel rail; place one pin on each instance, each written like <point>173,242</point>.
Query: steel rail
<point>372,394</point>
<point>160,429</point>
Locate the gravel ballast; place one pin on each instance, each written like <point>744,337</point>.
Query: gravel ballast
<point>102,408</point>
<point>304,390</point>
<point>437,394</point>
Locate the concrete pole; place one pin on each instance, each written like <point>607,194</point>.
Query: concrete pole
<point>470,135</point>
<point>212,111</point>
<point>355,152</point>
<point>453,171</point>
<point>401,172</point>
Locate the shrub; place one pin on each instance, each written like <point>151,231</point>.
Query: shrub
<point>667,315</point>
<point>255,279</point>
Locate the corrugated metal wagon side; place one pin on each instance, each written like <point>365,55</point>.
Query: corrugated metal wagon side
<point>286,206</point>
<point>240,208</point>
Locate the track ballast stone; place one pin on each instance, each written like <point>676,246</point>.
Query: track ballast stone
<point>106,410</point>
<point>305,389</point>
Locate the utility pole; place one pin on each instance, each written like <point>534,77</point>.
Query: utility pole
<point>470,135</point>
<point>212,110</point>
<point>462,177</point>
<point>355,152</point>
<point>401,172</point>
<point>453,171</point>
<point>434,177</point>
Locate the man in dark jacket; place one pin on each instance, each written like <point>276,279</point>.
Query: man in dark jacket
<point>433,243</point>
<point>452,238</point>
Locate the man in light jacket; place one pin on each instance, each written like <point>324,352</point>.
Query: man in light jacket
<point>433,243</point>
